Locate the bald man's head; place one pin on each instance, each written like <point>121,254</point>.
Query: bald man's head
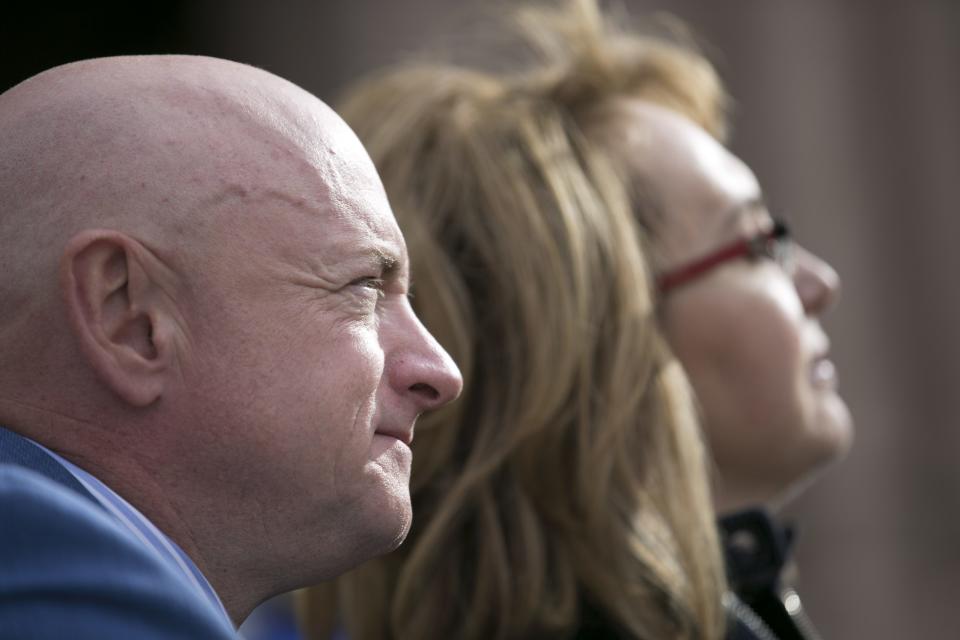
<point>205,301</point>
<point>149,144</point>
<point>168,149</point>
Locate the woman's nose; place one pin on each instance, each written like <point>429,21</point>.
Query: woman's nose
<point>817,283</point>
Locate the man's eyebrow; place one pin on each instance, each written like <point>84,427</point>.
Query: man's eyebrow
<point>387,263</point>
<point>371,257</point>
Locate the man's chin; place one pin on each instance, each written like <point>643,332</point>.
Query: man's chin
<point>387,527</point>
<point>379,529</point>
<point>390,515</point>
<point>402,532</point>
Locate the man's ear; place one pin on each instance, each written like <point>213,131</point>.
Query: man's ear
<point>119,312</point>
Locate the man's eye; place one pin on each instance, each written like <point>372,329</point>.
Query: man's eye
<point>373,283</point>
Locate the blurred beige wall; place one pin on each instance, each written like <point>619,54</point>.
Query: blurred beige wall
<point>849,111</point>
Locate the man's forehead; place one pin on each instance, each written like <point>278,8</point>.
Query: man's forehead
<point>317,179</point>
<point>356,206</point>
<point>352,229</point>
<point>373,237</point>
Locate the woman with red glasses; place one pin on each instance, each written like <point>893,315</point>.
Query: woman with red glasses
<point>577,230</point>
<point>740,304</point>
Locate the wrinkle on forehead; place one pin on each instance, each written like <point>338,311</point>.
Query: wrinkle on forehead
<point>286,236</point>
<point>145,144</point>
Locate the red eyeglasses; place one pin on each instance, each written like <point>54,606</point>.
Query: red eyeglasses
<point>774,244</point>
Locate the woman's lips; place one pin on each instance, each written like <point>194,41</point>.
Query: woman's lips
<point>823,374</point>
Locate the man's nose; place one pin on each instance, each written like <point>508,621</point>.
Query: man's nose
<point>422,369</point>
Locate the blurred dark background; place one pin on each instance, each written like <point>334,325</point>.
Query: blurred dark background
<point>849,111</point>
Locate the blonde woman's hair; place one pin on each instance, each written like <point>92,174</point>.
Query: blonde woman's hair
<point>568,483</point>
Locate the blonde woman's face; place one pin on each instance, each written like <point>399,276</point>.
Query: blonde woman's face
<point>747,330</point>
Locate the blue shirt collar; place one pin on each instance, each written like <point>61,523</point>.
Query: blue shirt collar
<point>145,531</point>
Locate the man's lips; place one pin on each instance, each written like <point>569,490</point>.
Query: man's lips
<point>403,435</point>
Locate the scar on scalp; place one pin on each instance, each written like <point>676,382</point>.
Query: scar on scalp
<point>294,201</point>
<point>229,192</point>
